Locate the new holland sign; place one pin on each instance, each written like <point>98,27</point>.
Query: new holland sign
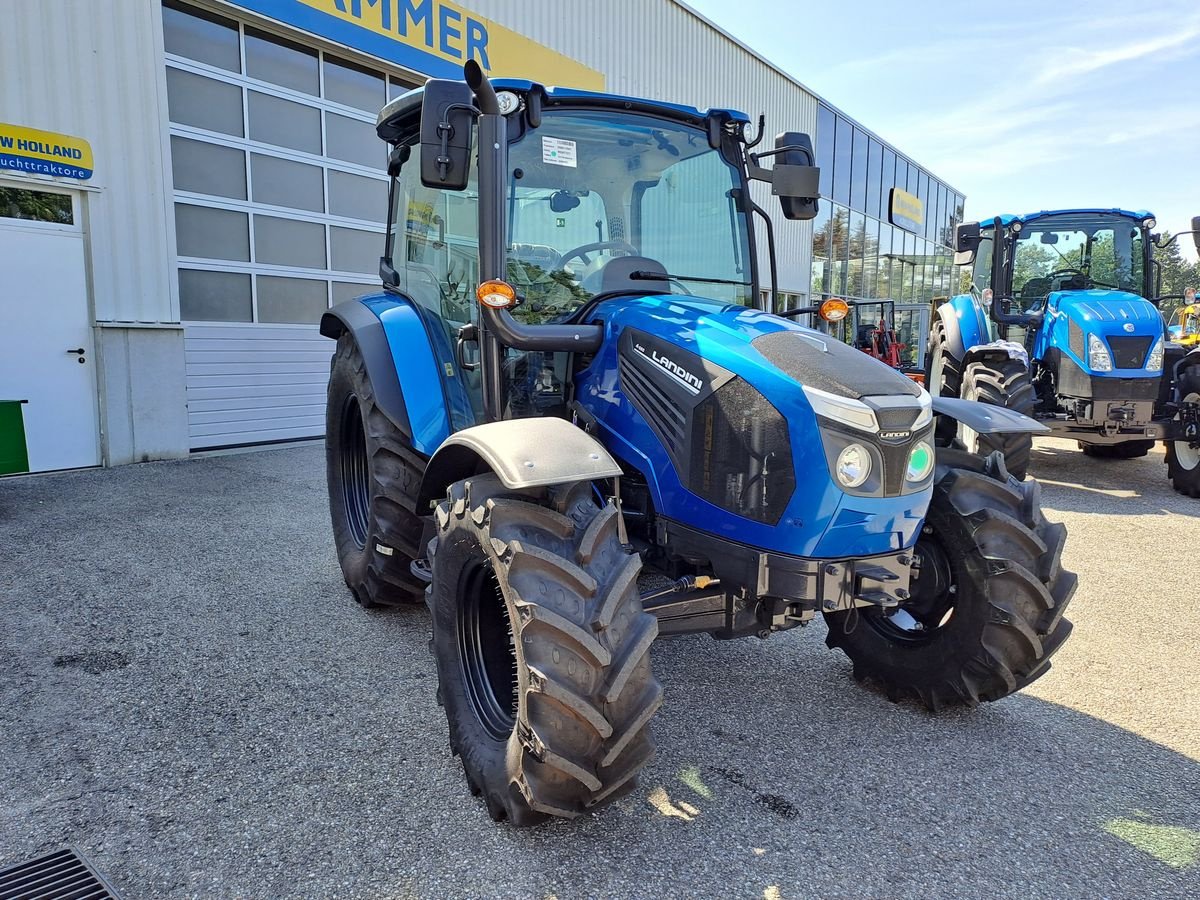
<point>44,152</point>
<point>434,37</point>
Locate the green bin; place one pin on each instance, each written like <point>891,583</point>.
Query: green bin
<point>14,455</point>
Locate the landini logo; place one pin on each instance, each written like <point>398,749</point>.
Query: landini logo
<point>692,382</point>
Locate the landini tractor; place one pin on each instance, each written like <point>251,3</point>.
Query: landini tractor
<point>563,384</point>
<point>1056,325</point>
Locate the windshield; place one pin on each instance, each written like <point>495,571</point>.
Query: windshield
<point>588,187</point>
<point>1075,252</point>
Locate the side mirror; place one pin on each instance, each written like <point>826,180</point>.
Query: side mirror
<point>966,243</point>
<point>447,123</point>
<point>1196,232</point>
<point>795,179</point>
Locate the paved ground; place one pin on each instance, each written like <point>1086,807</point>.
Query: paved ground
<point>189,695</point>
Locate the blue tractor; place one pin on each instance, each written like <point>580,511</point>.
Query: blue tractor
<point>565,386</point>
<point>1056,325</point>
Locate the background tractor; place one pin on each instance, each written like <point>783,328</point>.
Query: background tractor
<point>604,399</point>
<point>1056,325</point>
<point>1184,327</point>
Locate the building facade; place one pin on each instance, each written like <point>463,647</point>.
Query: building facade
<point>163,298</point>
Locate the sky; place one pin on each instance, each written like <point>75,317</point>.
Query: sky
<point>1019,105</point>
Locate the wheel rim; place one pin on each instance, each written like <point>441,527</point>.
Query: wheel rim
<point>356,472</point>
<point>934,594</point>
<point>968,436</point>
<point>486,651</point>
<point>1186,453</point>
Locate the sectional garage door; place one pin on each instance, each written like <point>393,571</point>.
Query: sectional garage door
<point>280,196</point>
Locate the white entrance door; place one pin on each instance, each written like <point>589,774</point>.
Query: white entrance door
<point>46,357</point>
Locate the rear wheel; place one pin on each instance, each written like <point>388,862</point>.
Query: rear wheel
<point>1000,383</point>
<point>943,378</point>
<point>988,594</point>
<point>1127,450</point>
<point>542,648</point>
<point>1183,457</point>
<point>373,475</point>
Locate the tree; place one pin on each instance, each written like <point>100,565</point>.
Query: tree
<point>1177,273</point>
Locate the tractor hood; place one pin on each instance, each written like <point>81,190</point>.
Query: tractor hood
<point>737,418</point>
<point>1128,325</point>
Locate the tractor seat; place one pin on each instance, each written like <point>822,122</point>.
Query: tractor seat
<point>617,276</point>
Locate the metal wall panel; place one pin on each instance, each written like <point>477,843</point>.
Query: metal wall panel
<point>249,384</point>
<point>94,70</point>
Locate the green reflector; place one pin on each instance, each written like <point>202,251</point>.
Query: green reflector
<point>920,462</point>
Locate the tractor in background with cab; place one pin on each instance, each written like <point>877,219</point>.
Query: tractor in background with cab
<point>603,399</point>
<point>1057,325</point>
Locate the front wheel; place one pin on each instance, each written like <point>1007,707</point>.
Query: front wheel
<point>988,594</point>
<point>1000,383</point>
<point>542,648</point>
<point>1183,457</point>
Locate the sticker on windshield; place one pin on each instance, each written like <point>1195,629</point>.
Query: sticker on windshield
<point>558,152</point>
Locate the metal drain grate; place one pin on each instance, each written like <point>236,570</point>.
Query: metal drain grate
<point>64,875</point>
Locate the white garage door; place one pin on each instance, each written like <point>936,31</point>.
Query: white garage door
<point>280,196</point>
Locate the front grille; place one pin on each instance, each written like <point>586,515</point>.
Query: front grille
<point>61,874</point>
<point>1129,351</point>
<point>741,454</point>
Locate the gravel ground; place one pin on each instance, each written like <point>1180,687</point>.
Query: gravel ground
<point>188,694</point>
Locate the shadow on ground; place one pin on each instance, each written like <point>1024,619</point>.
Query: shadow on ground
<point>189,695</point>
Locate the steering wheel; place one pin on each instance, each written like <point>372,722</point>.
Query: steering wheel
<point>583,250</point>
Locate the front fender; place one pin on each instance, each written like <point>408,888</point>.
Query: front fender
<point>966,325</point>
<point>983,418</point>
<point>524,453</point>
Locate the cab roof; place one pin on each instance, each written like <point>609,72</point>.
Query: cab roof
<point>410,102</point>
<point>1007,219</point>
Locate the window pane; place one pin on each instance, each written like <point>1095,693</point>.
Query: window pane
<point>284,123</point>
<point>201,36</point>
<point>204,102</point>
<point>396,88</point>
<point>36,206</point>
<point>282,182</point>
<point>858,173</point>
<point>355,251</point>
<point>344,290</point>
<point>843,153</point>
<point>214,296</point>
<point>208,168</point>
<point>281,62</point>
<point>353,85</point>
<point>286,242</point>
<point>353,141</point>
<point>212,233</point>
<point>826,125</point>
<point>357,197</point>
<point>874,162</point>
<point>887,181</point>
<point>291,300</point>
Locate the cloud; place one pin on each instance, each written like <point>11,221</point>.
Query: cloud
<point>1076,61</point>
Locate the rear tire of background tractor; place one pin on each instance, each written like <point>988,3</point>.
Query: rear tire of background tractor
<point>542,648</point>
<point>374,476</point>
<point>1183,459</point>
<point>943,378</point>
<point>1127,450</point>
<point>1003,383</point>
<point>987,604</point>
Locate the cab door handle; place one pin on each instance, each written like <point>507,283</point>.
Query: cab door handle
<point>80,351</point>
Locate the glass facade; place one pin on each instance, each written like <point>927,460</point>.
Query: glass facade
<point>858,253</point>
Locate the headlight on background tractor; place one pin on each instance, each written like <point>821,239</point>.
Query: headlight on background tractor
<point>1154,362</point>
<point>1099,359</point>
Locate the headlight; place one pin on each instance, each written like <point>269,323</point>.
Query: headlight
<point>850,412</point>
<point>1150,223</point>
<point>853,466</point>
<point>920,462</point>
<point>1098,358</point>
<point>1155,360</point>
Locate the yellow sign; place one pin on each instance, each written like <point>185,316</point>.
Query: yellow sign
<point>44,152</point>
<point>906,210</point>
<point>434,37</point>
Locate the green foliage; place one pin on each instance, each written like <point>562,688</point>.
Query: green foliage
<point>1177,274</point>
<point>549,294</point>
<point>39,206</point>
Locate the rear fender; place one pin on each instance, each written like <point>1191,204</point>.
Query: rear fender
<point>352,318</point>
<point>523,453</point>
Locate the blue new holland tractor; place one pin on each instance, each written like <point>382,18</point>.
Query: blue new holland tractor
<point>565,384</point>
<point>1056,325</point>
